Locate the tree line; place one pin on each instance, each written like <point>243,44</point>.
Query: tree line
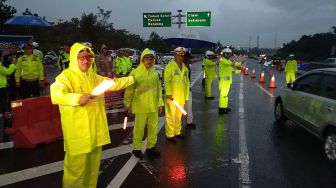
<point>311,47</point>
<point>93,27</point>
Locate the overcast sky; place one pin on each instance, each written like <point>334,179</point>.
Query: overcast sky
<point>232,22</point>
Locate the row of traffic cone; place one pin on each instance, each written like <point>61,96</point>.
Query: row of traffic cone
<point>245,71</point>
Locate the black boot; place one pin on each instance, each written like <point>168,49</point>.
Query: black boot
<point>191,125</point>
<point>153,152</point>
<point>171,139</point>
<point>138,154</point>
<point>221,110</point>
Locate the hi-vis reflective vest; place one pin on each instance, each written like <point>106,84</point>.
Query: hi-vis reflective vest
<point>225,69</point>
<point>63,61</point>
<point>176,82</point>
<point>29,67</point>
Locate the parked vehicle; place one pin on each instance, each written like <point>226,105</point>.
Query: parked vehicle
<point>330,61</point>
<point>310,102</point>
<point>167,57</point>
<point>50,58</point>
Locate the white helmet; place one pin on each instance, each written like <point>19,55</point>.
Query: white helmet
<point>291,55</point>
<point>209,53</point>
<point>227,50</point>
<point>35,45</point>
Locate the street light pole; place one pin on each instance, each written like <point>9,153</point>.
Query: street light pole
<point>179,17</point>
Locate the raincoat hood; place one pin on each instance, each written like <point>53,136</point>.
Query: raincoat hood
<point>146,51</point>
<point>103,46</point>
<point>74,50</point>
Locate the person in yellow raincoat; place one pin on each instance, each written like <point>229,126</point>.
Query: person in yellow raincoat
<point>145,98</point>
<point>83,117</point>
<point>210,73</point>
<point>225,80</point>
<point>176,83</point>
<point>290,69</point>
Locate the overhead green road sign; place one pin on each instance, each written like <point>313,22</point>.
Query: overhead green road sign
<point>198,19</point>
<point>158,19</point>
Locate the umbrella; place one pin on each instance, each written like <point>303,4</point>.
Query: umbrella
<point>28,20</point>
<point>189,39</point>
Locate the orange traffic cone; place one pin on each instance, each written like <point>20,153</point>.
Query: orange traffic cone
<point>246,72</point>
<point>262,77</point>
<point>253,74</point>
<point>272,83</point>
<point>242,70</point>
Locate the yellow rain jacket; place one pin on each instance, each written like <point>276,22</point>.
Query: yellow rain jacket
<point>123,65</point>
<point>225,69</point>
<point>4,72</point>
<point>84,127</point>
<point>209,68</point>
<point>30,68</point>
<point>177,85</point>
<point>225,81</point>
<point>176,82</point>
<point>290,69</point>
<point>145,94</point>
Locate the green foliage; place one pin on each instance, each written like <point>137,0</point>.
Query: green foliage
<point>6,11</point>
<point>311,48</point>
<point>94,28</point>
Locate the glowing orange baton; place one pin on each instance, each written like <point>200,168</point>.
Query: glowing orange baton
<point>102,87</point>
<point>179,107</point>
<point>125,122</point>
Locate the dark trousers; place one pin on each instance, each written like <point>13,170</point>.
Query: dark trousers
<point>12,91</point>
<point>29,89</point>
<point>3,100</point>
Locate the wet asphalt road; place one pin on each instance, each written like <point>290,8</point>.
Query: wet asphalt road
<point>209,156</point>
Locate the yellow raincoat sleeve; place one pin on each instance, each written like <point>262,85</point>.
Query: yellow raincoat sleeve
<point>128,96</point>
<point>60,93</point>
<point>121,83</point>
<point>18,70</point>
<point>167,80</point>
<point>7,71</point>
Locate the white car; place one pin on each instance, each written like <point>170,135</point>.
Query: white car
<point>311,103</point>
<point>159,69</point>
<point>167,57</point>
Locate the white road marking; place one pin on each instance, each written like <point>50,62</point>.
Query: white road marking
<point>30,173</point>
<point>120,126</point>
<point>199,75</point>
<point>268,93</point>
<point>6,145</point>
<point>114,110</point>
<point>244,171</point>
<point>130,164</point>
